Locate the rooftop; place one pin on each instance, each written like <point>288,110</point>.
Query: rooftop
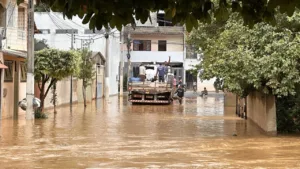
<point>168,30</point>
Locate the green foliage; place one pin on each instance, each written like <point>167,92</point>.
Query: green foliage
<point>87,71</point>
<point>86,68</point>
<point>40,44</point>
<point>218,84</point>
<point>55,64</point>
<point>264,58</point>
<point>103,13</point>
<point>41,8</point>
<point>39,114</point>
<point>288,113</point>
<point>54,96</point>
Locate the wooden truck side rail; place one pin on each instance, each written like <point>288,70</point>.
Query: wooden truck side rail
<point>150,92</point>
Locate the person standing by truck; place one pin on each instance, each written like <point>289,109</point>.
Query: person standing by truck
<point>162,70</point>
<point>142,74</point>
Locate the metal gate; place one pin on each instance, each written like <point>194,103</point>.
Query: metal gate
<point>99,90</point>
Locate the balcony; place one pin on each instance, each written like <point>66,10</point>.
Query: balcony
<point>16,39</point>
<point>155,56</point>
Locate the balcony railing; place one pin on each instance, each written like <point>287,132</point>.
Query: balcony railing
<point>155,56</point>
<point>156,30</point>
<point>16,39</point>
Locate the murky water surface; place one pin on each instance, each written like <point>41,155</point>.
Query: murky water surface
<point>120,135</point>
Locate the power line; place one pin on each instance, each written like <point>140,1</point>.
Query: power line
<point>58,26</point>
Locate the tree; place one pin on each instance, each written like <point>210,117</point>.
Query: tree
<point>52,65</point>
<point>264,58</point>
<point>86,72</point>
<point>103,13</point>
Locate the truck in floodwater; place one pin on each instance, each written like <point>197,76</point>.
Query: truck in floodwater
<point>151,91</point>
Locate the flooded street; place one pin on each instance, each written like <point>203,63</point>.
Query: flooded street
<point>117,134</point>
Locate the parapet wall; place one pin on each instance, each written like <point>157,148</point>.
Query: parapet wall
<point>261,109</point>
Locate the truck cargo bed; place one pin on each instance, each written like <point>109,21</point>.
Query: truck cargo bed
<point>150,92</point>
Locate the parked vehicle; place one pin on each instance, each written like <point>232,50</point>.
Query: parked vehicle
<point>150,91</point>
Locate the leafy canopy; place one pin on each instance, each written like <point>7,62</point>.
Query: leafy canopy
<point>118,13</point>
<point>55,64</point>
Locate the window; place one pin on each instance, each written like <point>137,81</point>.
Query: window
<point>162,45</point>
<point>66,31</point>
<point>21,18</point>
<point>21,23</point>
<point>142,45</point>
<point>23,72</point>
<point>43,31</point>
<point>8,77</point>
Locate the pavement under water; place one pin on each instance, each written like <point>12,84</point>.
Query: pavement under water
<point>116,134</point>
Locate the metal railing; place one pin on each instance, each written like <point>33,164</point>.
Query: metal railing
<point>16,39</point>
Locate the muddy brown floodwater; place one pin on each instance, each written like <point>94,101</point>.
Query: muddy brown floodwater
<point>120,135</point>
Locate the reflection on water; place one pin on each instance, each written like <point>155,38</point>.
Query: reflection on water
<point>119,135</point>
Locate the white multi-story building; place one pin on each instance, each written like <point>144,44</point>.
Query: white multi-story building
<point>154,42</point>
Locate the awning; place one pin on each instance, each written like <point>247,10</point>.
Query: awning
<point>2,66</point>
<point>14,53</point>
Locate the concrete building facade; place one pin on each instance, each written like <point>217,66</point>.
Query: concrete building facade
<point>153,42</point>
<point>57,32</point>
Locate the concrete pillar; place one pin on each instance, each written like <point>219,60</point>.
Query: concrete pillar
<point>229,104</point>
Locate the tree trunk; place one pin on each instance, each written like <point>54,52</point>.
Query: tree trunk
<point>54,97</point>
<point>43,94</point>
<point>84,94</point>
<point>42,97</point>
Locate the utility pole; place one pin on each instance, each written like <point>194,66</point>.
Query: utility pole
<point>107,66</point>
<point>121,62</point>
<point>128,44</point>
<point>30,61</point>
<point>71,80</point>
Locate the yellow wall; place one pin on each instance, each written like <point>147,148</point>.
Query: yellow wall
<point>7,104</point>
<point>63,91</point>
<point>261,108</point>
<point>8,100</point>
<point>229,103</point>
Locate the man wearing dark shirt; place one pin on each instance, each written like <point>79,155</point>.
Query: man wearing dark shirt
<point>204,92</point>
<point>162,70</point>
<point>180,94</point>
